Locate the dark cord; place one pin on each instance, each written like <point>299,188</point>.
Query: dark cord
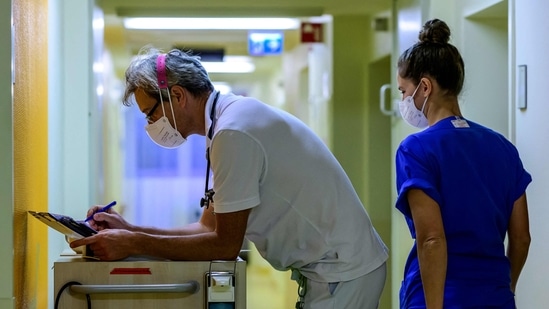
<point>301,291</point>
<point>209,193</point>
<point>68,284</point>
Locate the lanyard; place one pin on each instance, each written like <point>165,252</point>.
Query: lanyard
<point>209,193</point>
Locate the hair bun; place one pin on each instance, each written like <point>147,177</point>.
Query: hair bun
<point>435,31</point>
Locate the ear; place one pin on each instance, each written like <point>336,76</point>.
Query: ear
<point>179,94</point>
<point>426,86</point>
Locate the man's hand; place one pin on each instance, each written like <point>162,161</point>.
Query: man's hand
<point>107,220</point>
<point>108,245</point>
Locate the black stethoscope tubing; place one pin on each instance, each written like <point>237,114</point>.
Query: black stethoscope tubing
<point>209,193</point>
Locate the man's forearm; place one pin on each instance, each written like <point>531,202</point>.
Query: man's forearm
<point>197,247</point>
<point>191,229</point>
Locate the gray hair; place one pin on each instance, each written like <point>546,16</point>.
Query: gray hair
<point>182,69</point>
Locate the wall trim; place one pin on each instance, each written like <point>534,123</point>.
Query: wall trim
<point>7,303</point>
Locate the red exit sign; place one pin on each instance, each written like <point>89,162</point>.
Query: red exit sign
<point>311,33</point>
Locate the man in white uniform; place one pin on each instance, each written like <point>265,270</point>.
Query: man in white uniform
<point>275,183</point>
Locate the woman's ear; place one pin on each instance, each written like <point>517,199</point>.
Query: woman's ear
<point>426,86</point>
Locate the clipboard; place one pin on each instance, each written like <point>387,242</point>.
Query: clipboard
<point>65,224</point>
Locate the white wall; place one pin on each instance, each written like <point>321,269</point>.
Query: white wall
<point>6,159</point>
<point>532,140</point>
<point>70,92</point>
<point>55,116</point>
<point>485,98</point>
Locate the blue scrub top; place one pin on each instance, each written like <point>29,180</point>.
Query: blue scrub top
<point>475,175</point>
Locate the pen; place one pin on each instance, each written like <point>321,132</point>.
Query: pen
<point>101,210</point>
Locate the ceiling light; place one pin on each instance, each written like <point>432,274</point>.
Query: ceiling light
<point>229,67</point>
<point>223,87</point>
<point>212,23</point>
<point>230,64</point>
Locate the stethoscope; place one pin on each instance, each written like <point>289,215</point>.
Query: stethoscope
<point>209,193</point>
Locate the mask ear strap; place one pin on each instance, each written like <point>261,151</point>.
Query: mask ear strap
<point>419,84</point>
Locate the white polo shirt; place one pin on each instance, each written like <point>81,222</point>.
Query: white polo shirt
<point>306,214</point>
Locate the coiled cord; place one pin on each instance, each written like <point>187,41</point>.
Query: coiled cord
<point>66,285</point>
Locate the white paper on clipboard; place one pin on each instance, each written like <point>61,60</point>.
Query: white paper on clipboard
<point>64,224</point>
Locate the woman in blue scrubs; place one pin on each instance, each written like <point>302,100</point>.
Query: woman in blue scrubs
<point>461,188</point>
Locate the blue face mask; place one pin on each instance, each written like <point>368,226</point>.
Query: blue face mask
<point>411,114</point>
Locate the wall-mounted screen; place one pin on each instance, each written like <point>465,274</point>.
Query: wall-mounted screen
<point>265,43</point>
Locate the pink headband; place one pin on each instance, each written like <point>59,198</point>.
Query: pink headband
<point>161,71</point>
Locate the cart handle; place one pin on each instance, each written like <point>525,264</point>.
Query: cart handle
<point>190,287</point>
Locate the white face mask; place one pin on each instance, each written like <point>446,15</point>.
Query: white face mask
<point>162,133</point>
<point>411,114</point>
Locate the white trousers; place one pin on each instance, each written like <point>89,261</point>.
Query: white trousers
<point>361,293</point>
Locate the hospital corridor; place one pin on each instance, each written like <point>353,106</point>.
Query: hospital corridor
<point>75,135</point>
